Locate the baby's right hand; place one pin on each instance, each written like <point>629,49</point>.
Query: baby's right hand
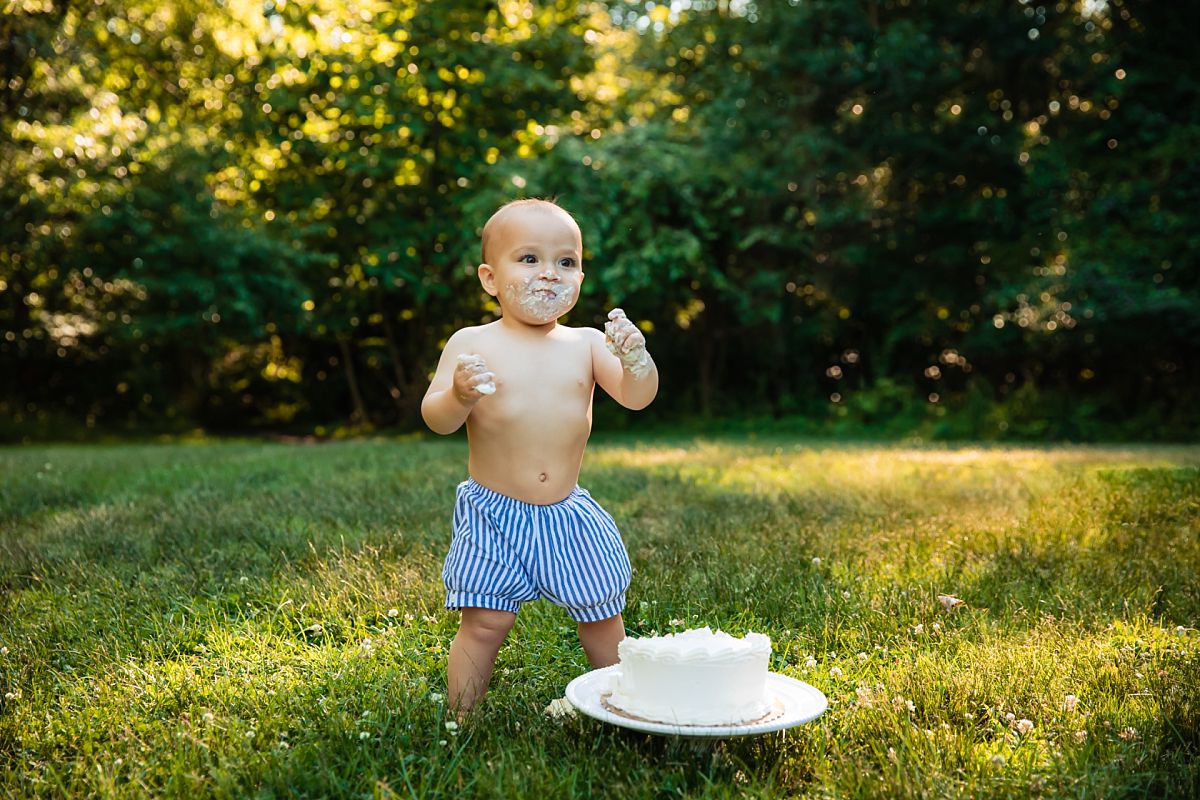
<point>472,380</point>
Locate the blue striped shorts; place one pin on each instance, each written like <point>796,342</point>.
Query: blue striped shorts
<point>506,552</point>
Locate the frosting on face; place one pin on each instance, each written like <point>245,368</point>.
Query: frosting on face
<point>543,301</point>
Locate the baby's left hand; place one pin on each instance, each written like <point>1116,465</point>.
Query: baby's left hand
<point>626,342</point>
<point>621,333</point>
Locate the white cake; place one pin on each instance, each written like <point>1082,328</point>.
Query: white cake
<point>697,677</point>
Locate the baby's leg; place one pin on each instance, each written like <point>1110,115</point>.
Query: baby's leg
<point>600,639</point>
<point>481,631</point>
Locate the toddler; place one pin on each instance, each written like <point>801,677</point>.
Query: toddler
<point>523,528</point>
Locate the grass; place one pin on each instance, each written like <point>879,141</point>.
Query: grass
<point>249,619</point>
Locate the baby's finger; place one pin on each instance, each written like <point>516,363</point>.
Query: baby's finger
<point>482,377</point>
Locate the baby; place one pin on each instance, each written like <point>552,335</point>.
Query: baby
<point>523,528</point>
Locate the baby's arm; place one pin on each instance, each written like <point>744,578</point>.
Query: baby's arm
<point>460,381</point>
<point>621,364</point>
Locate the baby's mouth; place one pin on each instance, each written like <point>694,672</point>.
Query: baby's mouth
<point>545,292</point>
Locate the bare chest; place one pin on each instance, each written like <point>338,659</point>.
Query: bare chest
<point>554,380</point>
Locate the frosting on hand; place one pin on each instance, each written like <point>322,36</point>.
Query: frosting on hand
<point>626,342</point>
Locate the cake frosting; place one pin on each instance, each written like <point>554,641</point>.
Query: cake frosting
<point>696,677</point>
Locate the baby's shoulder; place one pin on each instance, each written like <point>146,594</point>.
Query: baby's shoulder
<point>584,335</point>
<point>472,335</point>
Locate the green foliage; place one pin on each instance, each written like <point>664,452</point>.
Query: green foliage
<point>243,216</point>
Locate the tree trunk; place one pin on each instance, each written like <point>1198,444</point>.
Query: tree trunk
<point>399,388</point>
<point>360,410</point>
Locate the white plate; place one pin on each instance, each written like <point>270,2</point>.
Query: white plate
<point>800,703</point>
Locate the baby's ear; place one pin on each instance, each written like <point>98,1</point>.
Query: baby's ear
<point>487,277</point>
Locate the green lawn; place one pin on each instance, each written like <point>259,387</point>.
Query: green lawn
<point>242,619</point>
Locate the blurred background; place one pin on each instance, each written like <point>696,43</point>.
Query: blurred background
<point>948,219</point>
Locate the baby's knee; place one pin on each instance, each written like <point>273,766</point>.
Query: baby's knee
<point>485,625</point>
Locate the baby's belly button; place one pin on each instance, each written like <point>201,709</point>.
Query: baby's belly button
<point>542,477</point>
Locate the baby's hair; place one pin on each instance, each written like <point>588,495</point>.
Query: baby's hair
<point>490,226</point>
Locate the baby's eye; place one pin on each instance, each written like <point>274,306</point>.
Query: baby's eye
<point>566,263</point>
<point>528,258</point>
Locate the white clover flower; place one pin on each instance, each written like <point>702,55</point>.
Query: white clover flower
<point>364,735</point>
<point>676,622</point>
<point>862,657</point>
<point>1024,726</point>
<point>1070,702</point>
<point>919,628</point>
<point>435,697</point>
<point>910,705</point>
<point>845,595</point>
<point>816,561</point>
<point>835,672</point>
<point>937,626</point>
<point>393,612</point>
<point>451,725</point>
<point>250,734</point>
<point>1180,630</point>
<point>1129,734</point>
<point>891,754</point>
<point>1011,717</point>
<point>3,651</point>
<point>810,662</point>
<point>1080,735</point>
<point>997,760</point>
<point>207,716</point>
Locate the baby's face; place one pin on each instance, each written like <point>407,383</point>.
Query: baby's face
<point>536,264</point>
